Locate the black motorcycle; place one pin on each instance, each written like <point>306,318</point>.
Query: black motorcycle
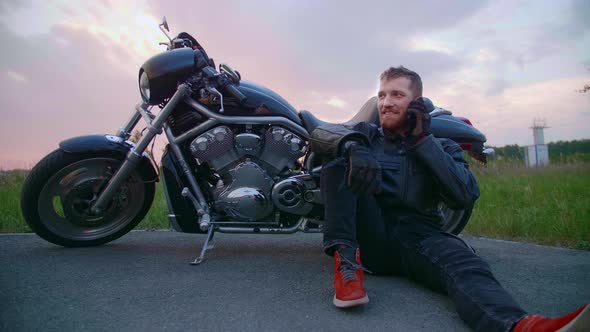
<point>237,160</point>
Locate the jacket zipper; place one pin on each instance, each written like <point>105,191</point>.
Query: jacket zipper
<point>404,176</point>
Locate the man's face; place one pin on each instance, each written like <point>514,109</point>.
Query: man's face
<point>394,97</point>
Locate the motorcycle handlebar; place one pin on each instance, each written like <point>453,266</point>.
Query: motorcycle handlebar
<point>232,90</point>
<point>223,82</point>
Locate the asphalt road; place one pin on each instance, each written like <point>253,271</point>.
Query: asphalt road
<point>248,282</point>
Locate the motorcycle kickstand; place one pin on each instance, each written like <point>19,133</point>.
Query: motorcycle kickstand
<point>206,246</point>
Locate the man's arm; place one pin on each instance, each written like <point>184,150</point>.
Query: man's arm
<point>329,140</point>
<point>332,141</point>
<point>457,184</point>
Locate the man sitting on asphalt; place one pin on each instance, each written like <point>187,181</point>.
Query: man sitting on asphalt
<point>382,187</point>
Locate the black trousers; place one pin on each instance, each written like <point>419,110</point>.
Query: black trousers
<point>416,249</point>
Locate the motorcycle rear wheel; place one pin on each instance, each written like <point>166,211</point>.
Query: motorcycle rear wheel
<point>454,221</point>
<point>57,195</point>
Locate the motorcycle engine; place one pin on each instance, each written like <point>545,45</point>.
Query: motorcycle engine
<point>249,163</point>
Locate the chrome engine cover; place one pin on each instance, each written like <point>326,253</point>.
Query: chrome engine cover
<point>295,194</point>
<point>248,144</point>
<point>282,148</point>
<point>279,148</point>
<point>213,143</point>
<point>215,146</point>
<point>247,197</point>
<point>248,165</point>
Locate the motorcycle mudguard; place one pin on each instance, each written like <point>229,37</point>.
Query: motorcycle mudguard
<point>448,126</point>
<point>101,143</point>
<point>181,212</point>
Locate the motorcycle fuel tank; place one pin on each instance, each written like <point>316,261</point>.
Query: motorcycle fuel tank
<point>265,102</point>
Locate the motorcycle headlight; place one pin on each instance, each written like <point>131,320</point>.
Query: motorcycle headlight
<point>144,86</point>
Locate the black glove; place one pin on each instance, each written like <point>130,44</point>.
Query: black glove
<point>418,119</point>
<point>364,172</point>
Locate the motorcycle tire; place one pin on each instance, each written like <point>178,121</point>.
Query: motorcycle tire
<point>454,221</point>
<point>57,194</point>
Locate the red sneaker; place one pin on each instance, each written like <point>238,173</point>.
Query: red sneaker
<point>348,278</point>
<point>578,320</point>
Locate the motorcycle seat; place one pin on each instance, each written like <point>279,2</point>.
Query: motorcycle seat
<point>310,122</point>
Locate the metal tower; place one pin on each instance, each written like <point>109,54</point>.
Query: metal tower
<point>537,154</point>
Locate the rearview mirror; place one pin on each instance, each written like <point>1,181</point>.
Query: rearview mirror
<point>165,24</point>
<point>234,74</point>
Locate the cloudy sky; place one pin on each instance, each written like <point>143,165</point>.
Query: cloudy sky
<point>69,68</point>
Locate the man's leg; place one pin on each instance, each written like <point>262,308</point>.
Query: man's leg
<point>340,206</point>
<point>373,237</point>
<point>340,235</point>
<point>445,263</point>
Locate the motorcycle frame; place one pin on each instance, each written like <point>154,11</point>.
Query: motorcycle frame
<point>156,124</point>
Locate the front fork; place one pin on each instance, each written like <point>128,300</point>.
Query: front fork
<point>155,126</point>
<point>135,154</point>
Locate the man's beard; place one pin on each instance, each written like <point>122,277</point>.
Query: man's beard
<point>394,122</point>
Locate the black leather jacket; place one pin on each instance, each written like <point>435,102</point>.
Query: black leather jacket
<point>415,178</point>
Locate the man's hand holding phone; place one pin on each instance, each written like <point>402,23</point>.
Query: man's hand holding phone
<point>418,119</point>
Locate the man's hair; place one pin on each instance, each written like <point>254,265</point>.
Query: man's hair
<point>401,71</point>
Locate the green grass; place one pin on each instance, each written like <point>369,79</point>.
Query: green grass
<point>549,205</point>
<point>11,219</point>
<point>157,217</point>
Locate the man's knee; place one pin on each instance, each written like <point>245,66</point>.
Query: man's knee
<point>456,256</point>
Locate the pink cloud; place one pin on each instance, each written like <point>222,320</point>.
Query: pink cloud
<point>80,78</point>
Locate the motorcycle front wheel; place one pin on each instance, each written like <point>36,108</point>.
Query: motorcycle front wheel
<point>57,195</point>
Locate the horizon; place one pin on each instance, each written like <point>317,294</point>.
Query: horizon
<point>70,68</point>
<point>23,165</point>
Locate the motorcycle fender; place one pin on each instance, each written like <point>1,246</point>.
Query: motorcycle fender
<point>101,143</point>
<point>451,127</point>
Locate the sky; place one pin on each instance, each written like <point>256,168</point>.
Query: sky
<point>69,68</point>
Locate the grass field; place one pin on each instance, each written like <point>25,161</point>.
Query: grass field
<point>549,205</point>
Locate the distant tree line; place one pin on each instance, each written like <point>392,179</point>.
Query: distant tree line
<point>560,151</point>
